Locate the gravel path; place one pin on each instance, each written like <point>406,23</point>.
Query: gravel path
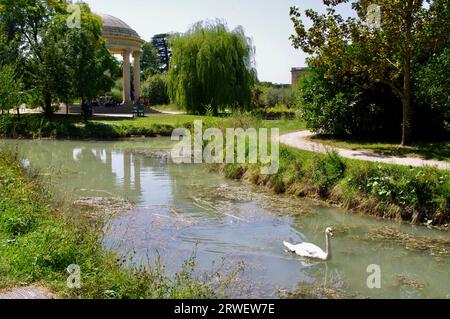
<point>30,292</point>
<point>299,140</point>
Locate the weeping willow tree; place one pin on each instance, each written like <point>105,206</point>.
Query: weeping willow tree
<point>212,69</point>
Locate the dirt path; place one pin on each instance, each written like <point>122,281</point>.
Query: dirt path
<point>299,140</point>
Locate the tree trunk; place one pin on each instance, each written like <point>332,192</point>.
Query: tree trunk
<point>67,109</point>
<point>84,110</point>
<point>407,123</point>
<point>407,108</point>
<point>18,114</point>
<point>48,111</point>
<point>407,130</point>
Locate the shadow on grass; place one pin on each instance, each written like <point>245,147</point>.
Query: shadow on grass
<point>74,127</point>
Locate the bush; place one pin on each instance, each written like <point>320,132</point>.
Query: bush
<point>117,94</point>
<point>280,96</point>
<point>258,100</point>
<point>347,106</point>
<point>155,91</point>
<point>432,95</point>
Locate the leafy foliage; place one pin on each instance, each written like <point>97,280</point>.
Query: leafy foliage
<point>348,106</point>
<point>150,61</point>
<point>10,88</point>
<point>53,59</point>
<point>433,92</point>
<point>211,66</point>
<point>410,33</point>
<point>411,188</point>
<point>281,96</point>
<point>154,89</point>
<point>163,51</point>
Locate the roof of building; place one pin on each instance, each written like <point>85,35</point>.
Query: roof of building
<point>298,69</point>
<point>113,26</point>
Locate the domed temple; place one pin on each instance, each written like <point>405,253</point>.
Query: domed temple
<point>122,39</point>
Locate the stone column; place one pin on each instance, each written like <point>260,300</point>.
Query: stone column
<point>126,77</point>
<point>137,75</point>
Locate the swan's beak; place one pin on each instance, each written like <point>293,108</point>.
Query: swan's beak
<point>331,235</point>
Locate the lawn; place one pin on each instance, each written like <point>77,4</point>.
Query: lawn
<point>60,126</point>
<point>178,120</point>
<point>434,150</point>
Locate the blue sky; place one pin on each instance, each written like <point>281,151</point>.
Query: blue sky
<point>266,22</point>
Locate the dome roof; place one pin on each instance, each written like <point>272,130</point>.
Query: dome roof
<point>115,27</point>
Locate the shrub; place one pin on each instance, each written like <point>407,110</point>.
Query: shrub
<point>280,96</point>
<point>117,94</point>
<point>258,100</point>
<point>432,95</point>
<point>155,90</point>
<point>348,106</point>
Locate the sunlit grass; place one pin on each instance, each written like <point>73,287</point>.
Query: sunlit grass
<point>60,126</point>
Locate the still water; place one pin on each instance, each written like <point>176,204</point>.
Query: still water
<point>232,226</point>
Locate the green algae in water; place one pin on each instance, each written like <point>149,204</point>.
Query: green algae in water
<point>436,246</point>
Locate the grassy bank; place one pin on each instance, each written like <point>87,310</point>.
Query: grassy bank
<point>73,127</point>
<point>414,195</point>
<point>39,241</point>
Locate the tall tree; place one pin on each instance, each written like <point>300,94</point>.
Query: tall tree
<point>212,68</point>
<point>11,95</point>
<point>92,68</point>
<point>28,21</point>
<point>150,61</point>
<point>386,55</point>
<point>58,60</point>
<point>161,43</point>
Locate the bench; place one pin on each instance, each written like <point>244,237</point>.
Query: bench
<point>138,111</point>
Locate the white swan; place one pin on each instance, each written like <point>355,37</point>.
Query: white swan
<point>312,251</point>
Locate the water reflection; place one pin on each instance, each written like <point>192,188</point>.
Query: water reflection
<point>102,169</point>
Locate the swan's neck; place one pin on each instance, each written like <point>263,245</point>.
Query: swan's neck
<point>328,247</point>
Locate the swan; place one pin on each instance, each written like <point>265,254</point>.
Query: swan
<point>312,251</point>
